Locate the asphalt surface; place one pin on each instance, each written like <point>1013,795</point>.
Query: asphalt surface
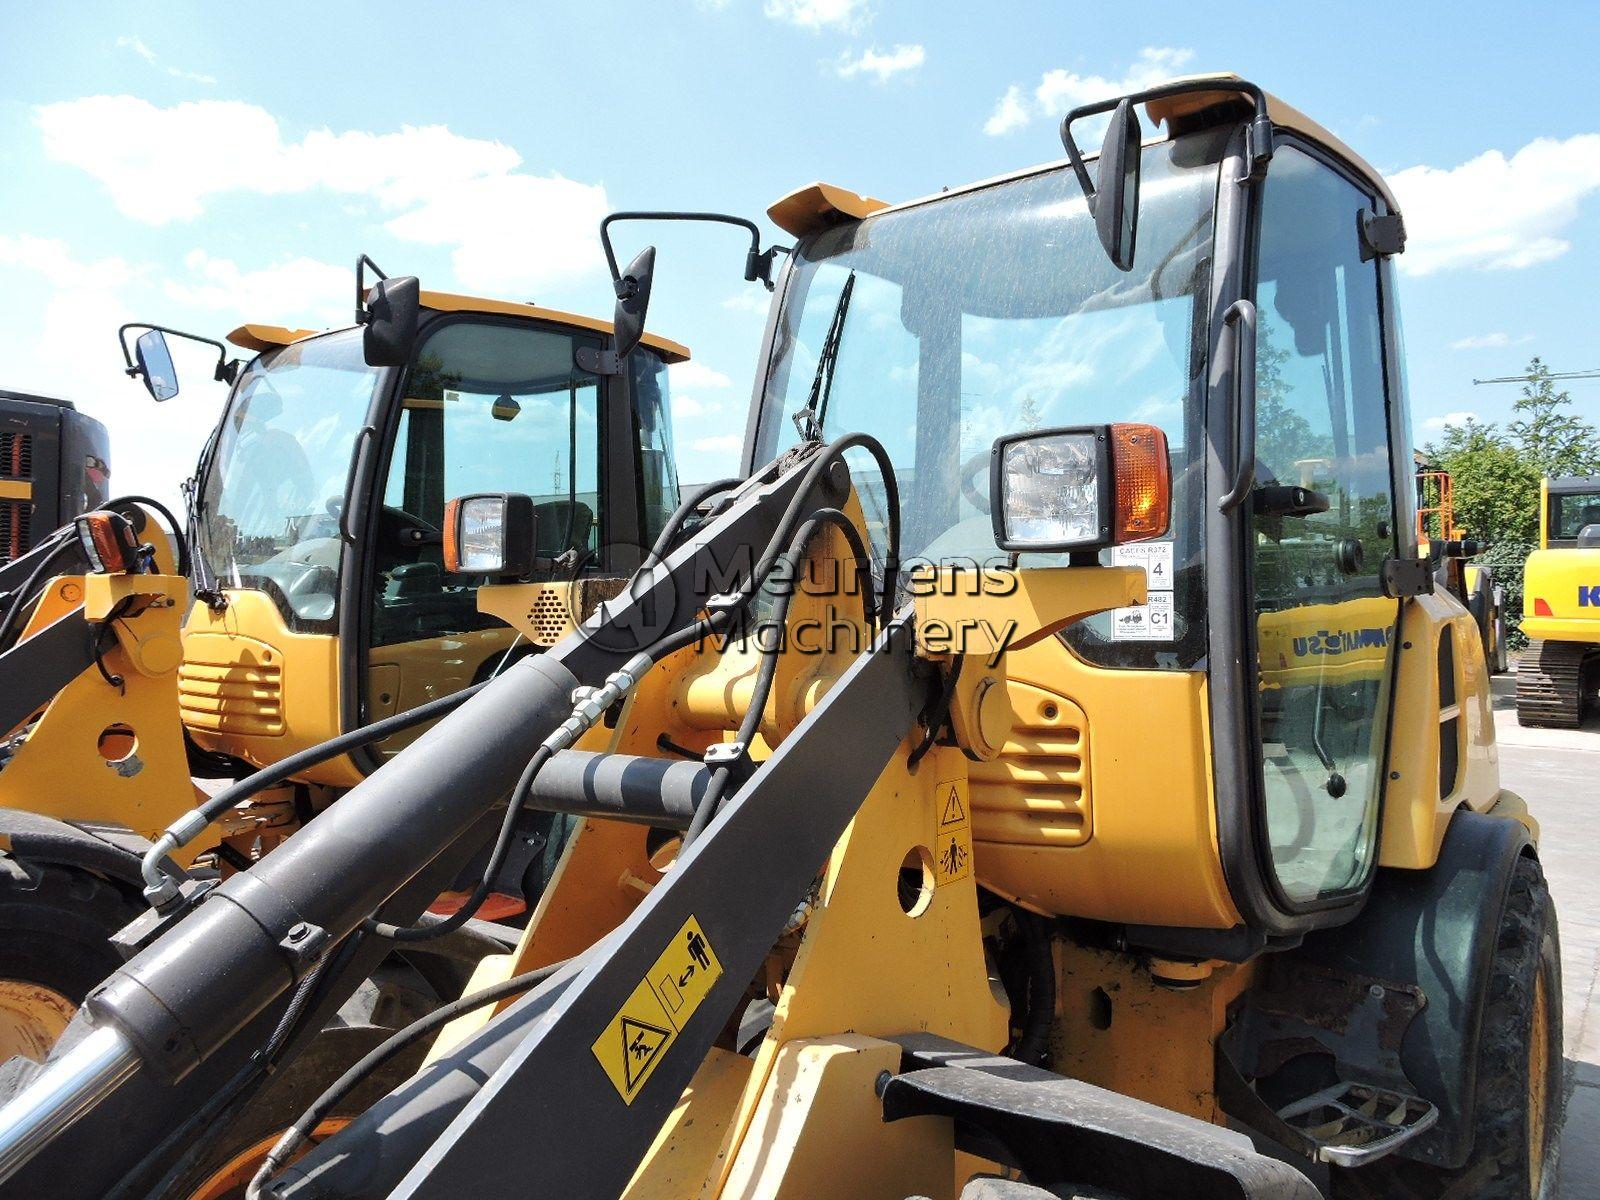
<point>1558,773</point>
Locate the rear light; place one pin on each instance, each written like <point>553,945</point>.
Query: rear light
<point>109,542</point>
<point>1541,608</point>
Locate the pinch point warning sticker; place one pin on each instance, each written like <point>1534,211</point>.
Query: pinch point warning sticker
<point>642,1032</point>
<point>952,835</point>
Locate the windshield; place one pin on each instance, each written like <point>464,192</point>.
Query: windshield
<point>940,327</point>
<point>268,507</point>
<point>1572,512</point>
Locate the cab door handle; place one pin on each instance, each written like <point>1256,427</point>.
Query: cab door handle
<point>1241,320</point>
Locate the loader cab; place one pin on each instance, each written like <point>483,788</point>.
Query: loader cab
<point>1264,663</point>
<point>320,503</point>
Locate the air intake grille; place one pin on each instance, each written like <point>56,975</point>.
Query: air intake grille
<point>16,521</point>
<point>233,698</point>
<point>549,616</point>
<point>1037,792</point>
<point>16,455</point>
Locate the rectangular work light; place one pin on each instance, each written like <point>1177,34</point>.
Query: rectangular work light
<point>1079,488</point>
<point>490,534</point>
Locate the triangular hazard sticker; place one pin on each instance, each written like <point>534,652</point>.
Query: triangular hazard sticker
<point>641,1042</point>
<point>954,812</point>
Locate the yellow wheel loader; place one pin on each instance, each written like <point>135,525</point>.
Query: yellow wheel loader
<point>1051,770</point>
<point>1558,672</point>
<point>316,605</point>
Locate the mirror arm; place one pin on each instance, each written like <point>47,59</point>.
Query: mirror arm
<point>757,262</point>
<point>362,263</point>
<point>226,370</point>
<point>1259,137</point>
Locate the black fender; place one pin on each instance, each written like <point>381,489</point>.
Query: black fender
<point>1437,929</point>
<point>113,851</point>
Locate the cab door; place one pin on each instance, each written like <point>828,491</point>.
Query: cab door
<point>1323,522</point>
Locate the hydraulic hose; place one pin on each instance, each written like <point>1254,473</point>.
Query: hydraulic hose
<point>65,541</point>
<point>184,558</point>
<point>161,889</point>
<point>723,774</point>
<point>295,1136</point>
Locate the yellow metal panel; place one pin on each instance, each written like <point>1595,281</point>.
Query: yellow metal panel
<point>1415,816</point>
<point>669,350</point>
<point>260,338</point>
<point>1122,1030</point>
<point>819,1131</point>
<point>677,1164</point>
<point>15,489</point>
<point>819,206</point>
<point>865,965</point>
<point>109,754</point>
<point>1568,581</point>
<point>253,688</point>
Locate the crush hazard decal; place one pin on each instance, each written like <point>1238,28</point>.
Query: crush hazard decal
<point>952,835</point>
<point>643,1030</point>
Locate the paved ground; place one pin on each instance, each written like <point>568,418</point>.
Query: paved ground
<point>1558,772</point>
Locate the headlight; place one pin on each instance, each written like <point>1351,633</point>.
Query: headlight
<point>1079,488</point>
<point>489,535</point>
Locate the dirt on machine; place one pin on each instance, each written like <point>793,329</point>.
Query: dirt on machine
<point>1051,767</point>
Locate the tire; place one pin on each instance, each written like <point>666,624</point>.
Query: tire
<point>55,922</point>
<point>1518,1105</point>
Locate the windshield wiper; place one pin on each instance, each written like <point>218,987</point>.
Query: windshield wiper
<point>809,419</point>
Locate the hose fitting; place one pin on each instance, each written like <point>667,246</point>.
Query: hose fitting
<point>589,704</point>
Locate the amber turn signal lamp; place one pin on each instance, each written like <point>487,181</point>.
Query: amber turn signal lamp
<point>108,541</point>
<point>1143,483</point>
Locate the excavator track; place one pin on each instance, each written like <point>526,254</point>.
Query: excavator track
<point>1550,684</point>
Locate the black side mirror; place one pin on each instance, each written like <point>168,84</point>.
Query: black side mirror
<point>153,363</point>
<point>633,302</point>
<point>627,325</point>
<point>391,321</point>
<point>1116,200</point>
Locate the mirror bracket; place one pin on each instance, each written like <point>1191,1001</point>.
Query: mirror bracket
<point>226,370</point>
<point>758,263</point>
<point>596,361</point>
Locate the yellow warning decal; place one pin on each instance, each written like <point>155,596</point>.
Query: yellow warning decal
<point>643,1029</point>
<point>952,835</point>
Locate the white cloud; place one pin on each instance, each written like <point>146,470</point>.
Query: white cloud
<point>1009,113</point>
<point>510,230</point>
<point>136,44</point>
<point>817,15</point>
<point>751,300</point>
<point>298,292</point>
<point>1060,91</point>
<point>881,65</point>
<point>688,406</point>
<point>1490,341</point>
<point>720,442</point>
<point>1449,419</point>
<point>1494,212</point>
<point>696,374</point>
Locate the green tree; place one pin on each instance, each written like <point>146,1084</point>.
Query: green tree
<point>1496,484</point>
<point>1553,439</point>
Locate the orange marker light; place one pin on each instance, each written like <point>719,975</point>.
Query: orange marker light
<point>452,535</point>
<point>1541,607</point>
<point>1142,473</point>
<point>108,541</point>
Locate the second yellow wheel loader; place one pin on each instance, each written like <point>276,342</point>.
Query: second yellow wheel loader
<point>1051,760</point>
<point>317,604</point>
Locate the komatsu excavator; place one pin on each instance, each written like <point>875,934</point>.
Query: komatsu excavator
<point>1048,771</point>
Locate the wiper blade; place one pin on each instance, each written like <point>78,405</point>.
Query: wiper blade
<point>810,418</point>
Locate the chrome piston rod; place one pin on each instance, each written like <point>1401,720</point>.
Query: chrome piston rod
<point>67,1088</point>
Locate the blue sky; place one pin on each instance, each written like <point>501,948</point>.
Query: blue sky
<point>191,166</point>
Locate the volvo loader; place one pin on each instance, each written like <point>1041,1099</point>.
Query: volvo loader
<point>1050,770</point>
<point>308,598</point>
<point>1559,671</point>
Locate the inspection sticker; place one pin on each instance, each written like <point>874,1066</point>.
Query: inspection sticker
<point>952,835</point>
<point>1152,621</point>
<point>657,1009</point>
